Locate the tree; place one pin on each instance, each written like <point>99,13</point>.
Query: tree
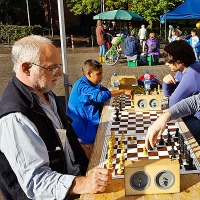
<point>15,11</point>
<point>149,9</point>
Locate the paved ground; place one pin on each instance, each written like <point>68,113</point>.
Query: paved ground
<point>75,60</point>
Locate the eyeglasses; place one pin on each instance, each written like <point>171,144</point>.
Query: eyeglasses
<point>53,68</point>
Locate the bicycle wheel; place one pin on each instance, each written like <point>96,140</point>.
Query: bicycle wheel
<point>111,57</point>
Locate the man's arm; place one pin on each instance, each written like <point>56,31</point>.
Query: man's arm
<point>183,108</point>
<point>28,157</point>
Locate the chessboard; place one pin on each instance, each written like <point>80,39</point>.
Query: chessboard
<point>125,140</point>
<point>132,123</point>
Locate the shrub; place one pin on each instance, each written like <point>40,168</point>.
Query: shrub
<point>11,33</point>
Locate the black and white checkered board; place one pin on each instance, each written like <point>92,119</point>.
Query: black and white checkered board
<point>136,125</point>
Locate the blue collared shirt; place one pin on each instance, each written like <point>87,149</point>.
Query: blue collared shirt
<point>27,154</point>
<point>85,106</point>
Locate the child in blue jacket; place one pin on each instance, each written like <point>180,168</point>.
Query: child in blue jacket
<point>86,102</point>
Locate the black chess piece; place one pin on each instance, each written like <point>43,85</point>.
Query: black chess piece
<point>180,160</point>
<point>173,152</point>
<point>161,142</point>
<point>120,105</point>
<point>117,115</point>
<point>189,160</point>
<point>177,132</point>
<point>190,164</point>
<point>169,140</point>
<point>187,155</point>
<point>150,147</point>
<point>185,150</point>
<point>182,147</point>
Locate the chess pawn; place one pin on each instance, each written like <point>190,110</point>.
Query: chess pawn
<point>132,139</point>
<point>123,148</point>
<point>109,163</point>
<point>122,155</point>
<point>120,170</point>
<point>123,137</point>
<point>110,152</point>
<point>121,158</point>
<point>113,138</point>
<point>144,151</point>
<point>120,143</point>
<point>110,143</point>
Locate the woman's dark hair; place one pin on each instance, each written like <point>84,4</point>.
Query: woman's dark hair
<point>179,51</point>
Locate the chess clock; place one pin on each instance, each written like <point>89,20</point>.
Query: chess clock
<point>152,176</point>
<point>147,102</point>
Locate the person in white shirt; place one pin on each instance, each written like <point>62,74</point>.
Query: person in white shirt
<point>142,36</point>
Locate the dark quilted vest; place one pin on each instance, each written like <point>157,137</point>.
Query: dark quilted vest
<point>17,98</point>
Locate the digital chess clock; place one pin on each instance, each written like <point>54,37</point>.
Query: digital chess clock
<point>152,176</point>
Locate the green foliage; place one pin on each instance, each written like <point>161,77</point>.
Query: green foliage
<point>84,6</point>
<point>149,9</point>
<point>13,33</point>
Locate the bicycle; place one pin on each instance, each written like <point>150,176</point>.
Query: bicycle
<point>114,53</point>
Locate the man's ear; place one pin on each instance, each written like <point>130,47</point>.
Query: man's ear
<point>26,67</point>
<point>89,73</point>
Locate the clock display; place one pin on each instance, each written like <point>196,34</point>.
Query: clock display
<point>164,179</point>
<point>142,103</point>
<point>154,103</point>
<point>140,180</point>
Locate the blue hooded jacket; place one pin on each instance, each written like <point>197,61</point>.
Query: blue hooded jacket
<point>131,46</point>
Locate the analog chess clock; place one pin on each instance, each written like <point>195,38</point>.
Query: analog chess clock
<point>152,176</point>
<point>147,102</point>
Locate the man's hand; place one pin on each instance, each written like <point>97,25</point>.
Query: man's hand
<point>129,93</point>
<point>95,182</point>
<point>156,129</point>
<point>169,79</point>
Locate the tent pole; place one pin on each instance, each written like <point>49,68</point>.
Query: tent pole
<point>160,29</point>
<point>63,47</point>
<point>165,30</point>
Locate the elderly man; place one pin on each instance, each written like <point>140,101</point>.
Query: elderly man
<point>40,155</point>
